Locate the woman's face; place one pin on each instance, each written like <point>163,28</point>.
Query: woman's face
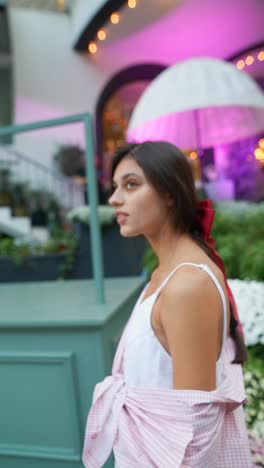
<point>140,209</point>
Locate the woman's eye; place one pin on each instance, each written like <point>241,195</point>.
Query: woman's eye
<point>131,184</point>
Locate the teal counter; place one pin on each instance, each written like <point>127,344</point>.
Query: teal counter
<point>56,343</point>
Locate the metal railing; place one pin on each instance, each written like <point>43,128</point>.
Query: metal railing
<point>24,170</point>
<point>96,244</point>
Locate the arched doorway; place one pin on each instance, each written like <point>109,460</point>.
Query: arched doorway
<point>115,106</point>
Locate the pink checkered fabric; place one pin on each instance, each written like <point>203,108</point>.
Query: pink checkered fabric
<point>168,428</point>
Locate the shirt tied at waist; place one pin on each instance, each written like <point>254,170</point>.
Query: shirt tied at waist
<point>164,427</point>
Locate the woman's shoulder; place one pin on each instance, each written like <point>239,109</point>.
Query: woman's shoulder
<point>191,288</point>
<point>194,281</point>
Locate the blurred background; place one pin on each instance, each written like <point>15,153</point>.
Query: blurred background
<point>187,71</point>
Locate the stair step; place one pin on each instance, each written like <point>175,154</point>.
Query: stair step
<point>22,223</point>
<point>5,213</point>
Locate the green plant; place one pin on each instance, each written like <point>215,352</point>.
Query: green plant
<point>254,384</point>
<point>62,241</point>
<point>252,261</point>
<point>238,232</point>
<point>150,260</point>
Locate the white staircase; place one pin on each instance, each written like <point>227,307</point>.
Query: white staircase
<point>20,226</point>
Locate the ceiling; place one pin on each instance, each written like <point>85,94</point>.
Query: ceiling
<point>175,30</point>
<point>136,19</point>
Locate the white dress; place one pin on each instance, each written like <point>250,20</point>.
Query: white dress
<point>146,362</point>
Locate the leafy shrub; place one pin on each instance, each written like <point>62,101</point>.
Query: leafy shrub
<point>238,231</point>
<point>62,241</point>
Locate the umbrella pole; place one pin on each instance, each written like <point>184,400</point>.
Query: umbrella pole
<point>197,130</point>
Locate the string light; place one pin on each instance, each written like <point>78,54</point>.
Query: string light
<point>258,153</point>
<point>261,56</point>
<point>249,60</point>
<point>240,64</point>
<point>101,35</point>
<point>92,47</point>
<point>114,18</point>
<point>261,143</point>
<point>61,5</point>
<point>193,155</point>
<point>131,3</point>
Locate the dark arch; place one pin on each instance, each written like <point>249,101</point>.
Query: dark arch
<point>147,71</point>
<point>247,50</point>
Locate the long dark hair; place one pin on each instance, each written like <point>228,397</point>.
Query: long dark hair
<point>168,171</point>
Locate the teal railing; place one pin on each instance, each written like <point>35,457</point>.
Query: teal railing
<point>96,245</point>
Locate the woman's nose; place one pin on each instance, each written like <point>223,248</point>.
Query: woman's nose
<point>115,199</point>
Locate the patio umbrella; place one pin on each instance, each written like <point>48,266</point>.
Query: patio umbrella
<point>198,103</point>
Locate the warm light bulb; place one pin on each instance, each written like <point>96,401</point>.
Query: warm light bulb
<point>101,35</point>
<point>249,60</point>
<point>261,143</point>
<point>240,64</point>
<point>92,47</point>
<point>258,153</point>
<point>61,5</point>
<point>131,3</point>
<point>193,155</point>
<point>261,56</point>
<point>115,18</point>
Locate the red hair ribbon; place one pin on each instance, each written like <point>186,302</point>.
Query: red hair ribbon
<point>206,215</point>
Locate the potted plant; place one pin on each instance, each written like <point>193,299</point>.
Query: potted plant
<point>21,260</point>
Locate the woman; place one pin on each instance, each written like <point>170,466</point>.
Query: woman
<point>175,395</point>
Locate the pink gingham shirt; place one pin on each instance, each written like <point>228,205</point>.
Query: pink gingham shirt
<point>148,426</point>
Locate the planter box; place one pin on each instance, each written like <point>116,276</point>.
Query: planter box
<point>35,268</point>
<point>122,256</point>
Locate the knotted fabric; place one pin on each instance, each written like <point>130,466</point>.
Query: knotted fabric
<point>206,214</point>
<point>168,428</point>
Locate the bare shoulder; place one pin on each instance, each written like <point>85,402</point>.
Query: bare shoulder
<point>191,279</point>
<point>192,294</point>
<point>190,313</point>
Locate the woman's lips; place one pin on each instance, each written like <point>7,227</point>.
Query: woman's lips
<point>121,218</point>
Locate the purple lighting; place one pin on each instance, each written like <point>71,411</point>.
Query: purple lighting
<point>202,128</point>
<point>218,28</point>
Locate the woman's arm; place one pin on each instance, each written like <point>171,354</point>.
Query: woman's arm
<point>191,318</point>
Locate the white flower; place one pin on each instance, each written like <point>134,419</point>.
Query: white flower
<point>106,214</point>
<point>249,297</point>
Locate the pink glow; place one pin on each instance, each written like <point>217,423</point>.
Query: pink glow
<point>28,110</point>
<point>217,28</point>
<point>204,128</point>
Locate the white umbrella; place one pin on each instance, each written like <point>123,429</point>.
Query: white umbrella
<point>199,103</point>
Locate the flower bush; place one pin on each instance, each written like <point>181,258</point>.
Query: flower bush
<point>106,215</point>
<point>254,407</point>
<point>62,241</point>
<point>238,231</point>
<point>249,297</point>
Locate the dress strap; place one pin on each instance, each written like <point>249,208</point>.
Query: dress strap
<point>173,271</point>
<point>217,284</point>
<point>222,295</point>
